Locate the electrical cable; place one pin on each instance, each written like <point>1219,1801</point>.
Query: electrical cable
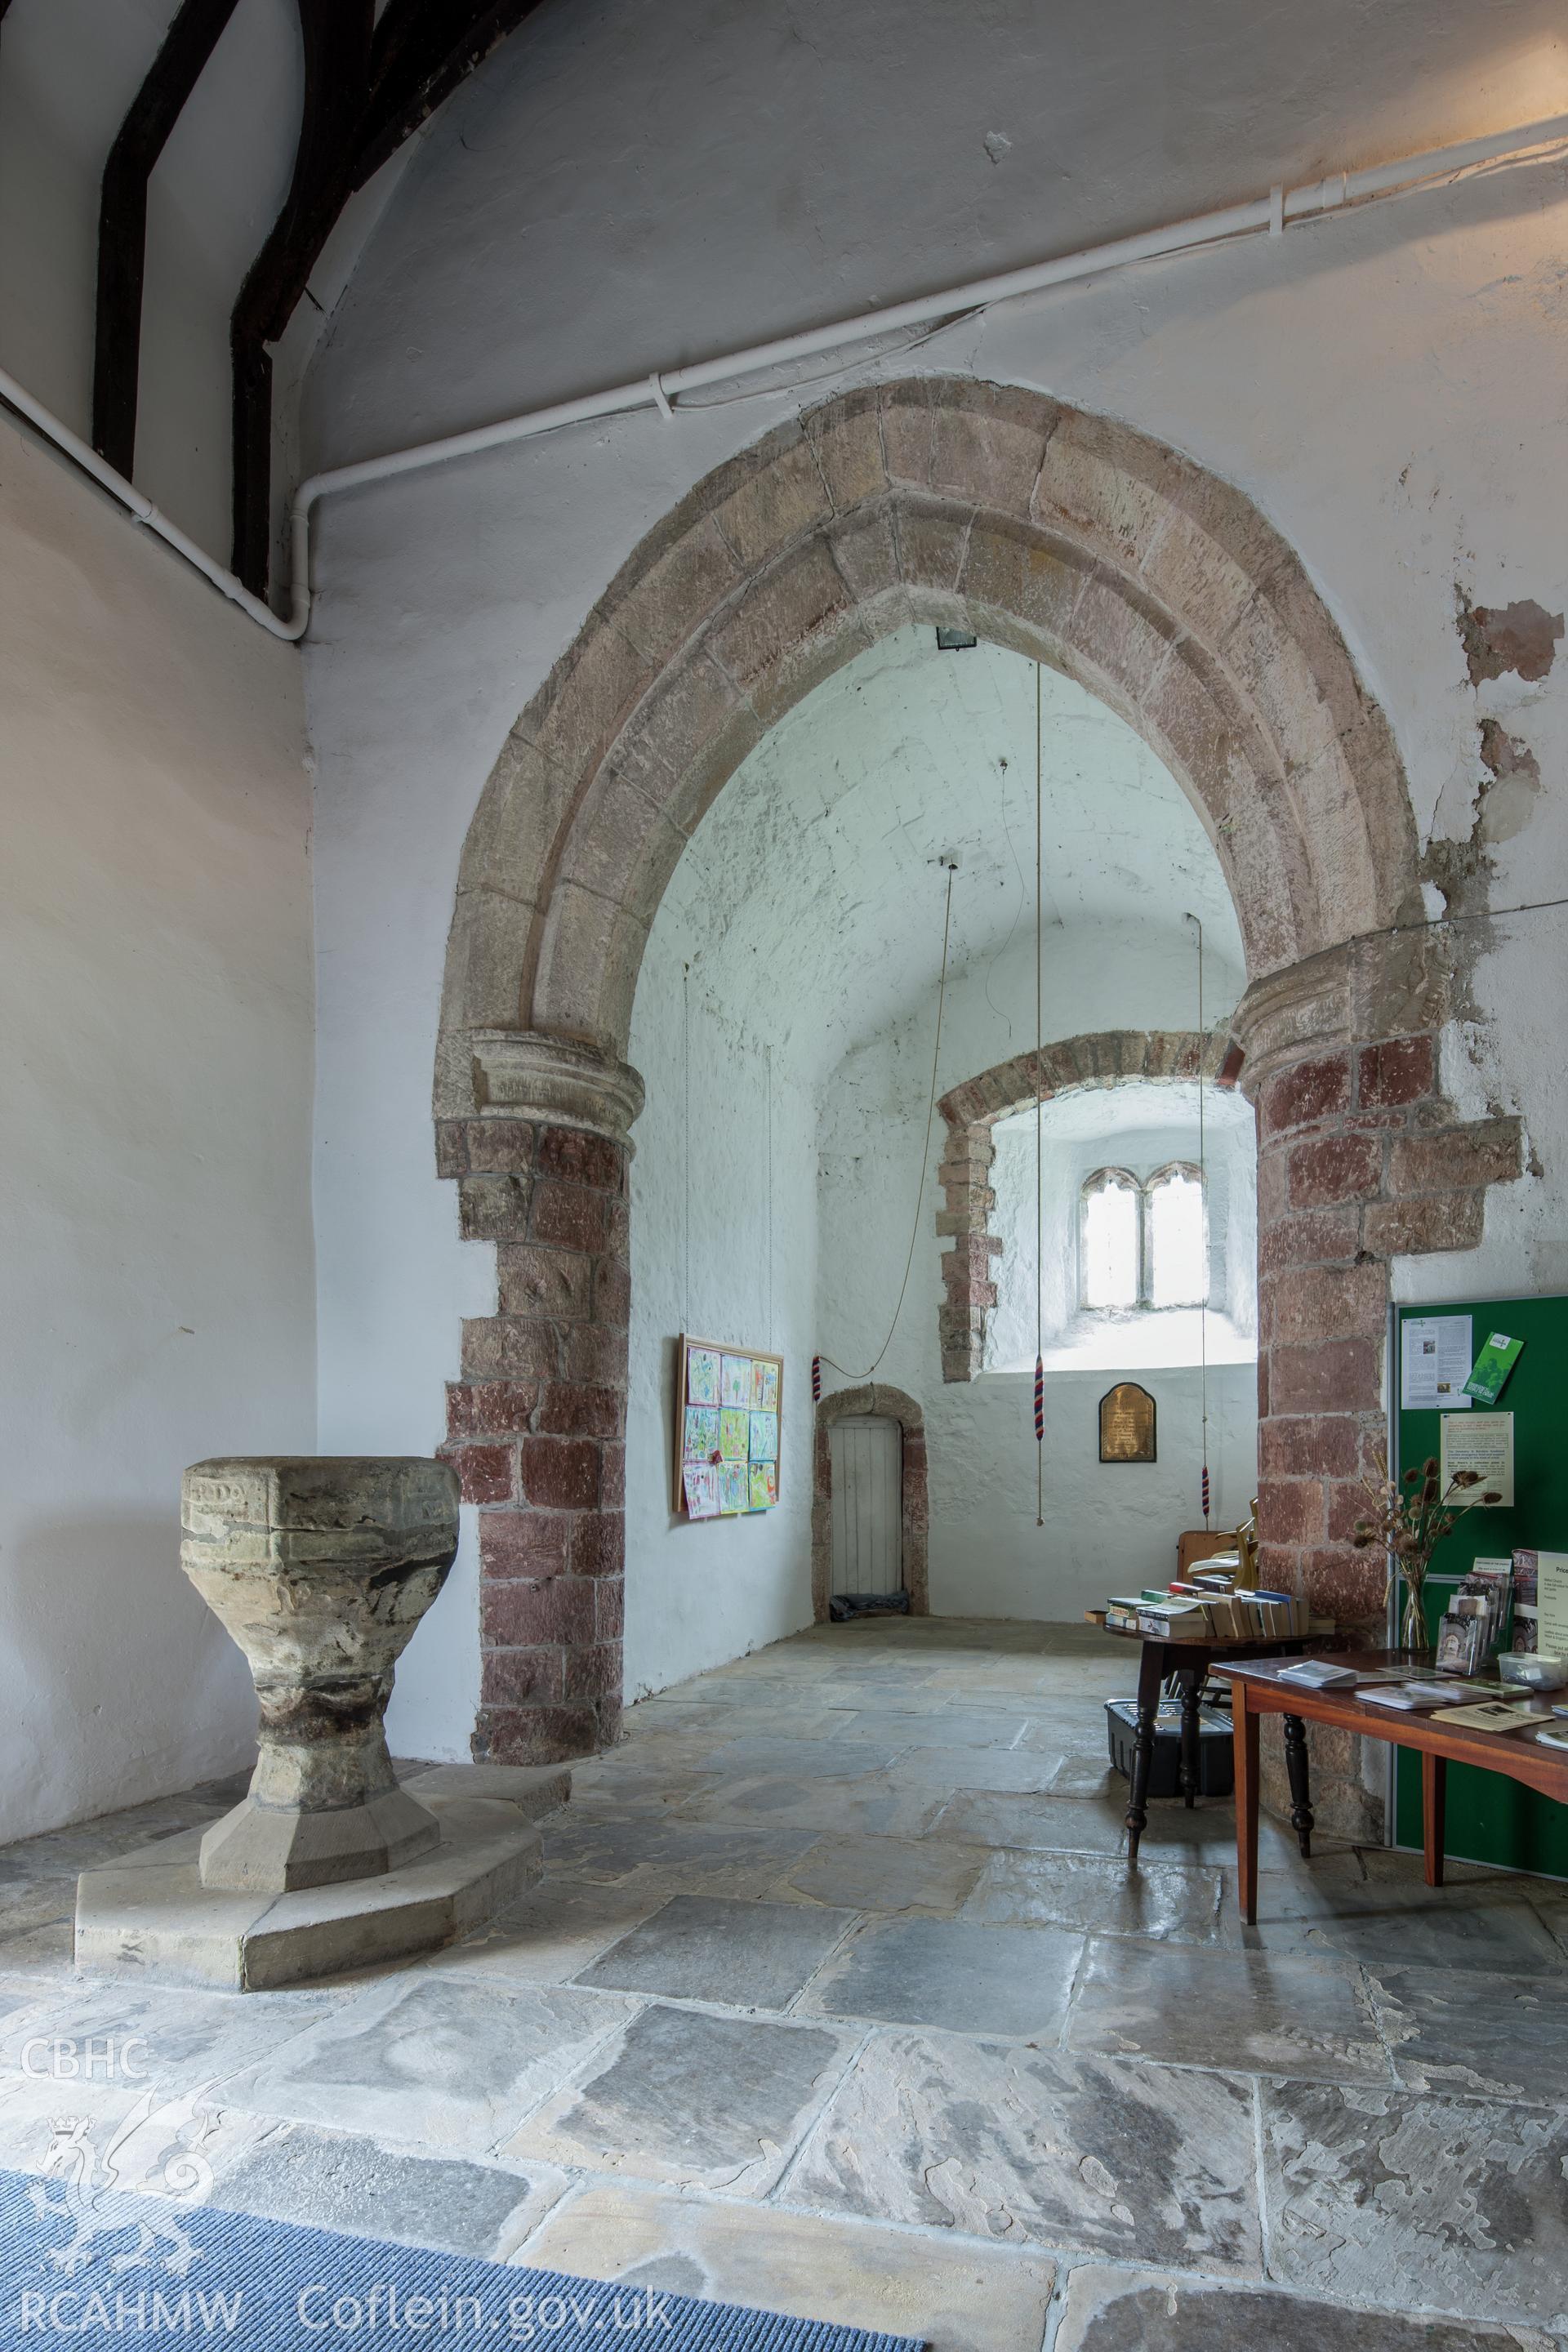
<point>1039,1092</point>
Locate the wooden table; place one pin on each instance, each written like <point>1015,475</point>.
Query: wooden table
<point>1256,1690</point>
<point>1190,1662</point>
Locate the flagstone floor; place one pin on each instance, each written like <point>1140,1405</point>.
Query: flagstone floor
<point>839,1998</point>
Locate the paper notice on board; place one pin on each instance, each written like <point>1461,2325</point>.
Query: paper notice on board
<point>1436,1354</point>
<point>1552,1604</point>
<point>1482,1442</point>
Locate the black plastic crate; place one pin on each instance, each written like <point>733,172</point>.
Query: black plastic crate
<point>1216,1757</point>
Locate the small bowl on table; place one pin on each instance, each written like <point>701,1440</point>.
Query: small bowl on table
<point>1528,1671</point>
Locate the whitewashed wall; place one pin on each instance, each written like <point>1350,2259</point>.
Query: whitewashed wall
<point>726,1248</point>
<point>1106,1524</point>
<point>155,1066</point>
<point>622,189</point>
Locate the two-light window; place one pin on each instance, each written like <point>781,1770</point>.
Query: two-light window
<point>1143,1242</point>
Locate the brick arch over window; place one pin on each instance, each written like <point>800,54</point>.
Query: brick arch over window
<point>1074,540</point>
<point>873,1397</point>
<point>1114,1057</point>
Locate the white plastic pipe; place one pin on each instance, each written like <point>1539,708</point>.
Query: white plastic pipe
<point>1526,143</point>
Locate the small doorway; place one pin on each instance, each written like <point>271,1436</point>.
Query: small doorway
<point>868,1469</point>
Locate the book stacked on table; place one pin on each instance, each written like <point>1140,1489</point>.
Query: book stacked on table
<point>1189,1611</point>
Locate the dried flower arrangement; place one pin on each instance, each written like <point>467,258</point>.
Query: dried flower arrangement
<point>1409,1522</point>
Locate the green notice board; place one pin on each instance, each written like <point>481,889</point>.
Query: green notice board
<point>1491,1819</point>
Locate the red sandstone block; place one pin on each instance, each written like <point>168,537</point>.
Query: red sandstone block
<point>581,1409</point>
<point>1273,1185</point>
<point>1323,1302</point>
<point>1396,1071</point>
<point>598,1544</point>
<point>501,1408</point>
<point>1291,1510</point>
<point>1347,1585</point>
<point>1485,1154</point>
<point>514,1677</point>
<point>1320,1445</point>
<point>1335,1376</point>
<point>610,1608</point>
<point>613,1474</point>
<point>582,1159</point>
<point>610,1708</point>
<point>535,1735</point>
<point>509,1347</point>
<point>1305,1094</point>
<point>1334,1167</point>
<point>1432,1221</point>
<point>524,1543</point>
<point>612,1292</point>
<point>593,1673</point>
<point>1263,1384</point>
<point>461,1420</point>
<point>1346,1503</point>
<point>484,1472</point>
<point>1279,1567</point>
<point>499,1147</point>
<point>531,1614</point>
<point>1316,1237</point>
<point>553,1283</point>
<point>595,1351</point>
<point>492,1208</point>
<point>561,1473</point>
<point>572,1216</point>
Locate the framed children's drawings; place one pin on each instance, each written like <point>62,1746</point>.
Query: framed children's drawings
<point>729,1405</point>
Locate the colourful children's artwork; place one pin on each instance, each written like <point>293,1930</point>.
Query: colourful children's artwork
<point>734,1434</point>
<point>701,1441</point>
<point>727,1425</point>
<point>735,1493</point>
<point>701,1485</point>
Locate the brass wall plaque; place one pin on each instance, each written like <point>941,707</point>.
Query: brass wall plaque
<point>1127,1424</point>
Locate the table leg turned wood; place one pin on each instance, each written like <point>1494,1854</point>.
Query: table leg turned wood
<point>1244,1722</point>
<point>1297,1766</point>
<point>1192,1691</point>
<point>1150,1675</point>
<point>1434,1806</point>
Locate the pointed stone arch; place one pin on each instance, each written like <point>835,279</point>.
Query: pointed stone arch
<point>1075,540</point>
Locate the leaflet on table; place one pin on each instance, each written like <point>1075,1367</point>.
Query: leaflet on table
<point>1434,1363</point>
<point>1482,1442</point>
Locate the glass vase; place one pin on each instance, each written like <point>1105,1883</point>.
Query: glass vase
<point>1412,1619</point>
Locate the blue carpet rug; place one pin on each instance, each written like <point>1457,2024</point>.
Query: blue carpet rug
<point>81,2263</point>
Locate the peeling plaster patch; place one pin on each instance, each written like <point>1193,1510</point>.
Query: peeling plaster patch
<point>1520,636</point>
<point>998,144</point>
<point>1508,803</point>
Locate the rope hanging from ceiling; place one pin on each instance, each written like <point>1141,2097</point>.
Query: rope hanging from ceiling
<point>1204,1202</point>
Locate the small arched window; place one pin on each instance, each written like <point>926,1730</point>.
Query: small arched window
<point>1142,1243</point>
<point>1176,1245</point>
<point>1110,1239</point>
